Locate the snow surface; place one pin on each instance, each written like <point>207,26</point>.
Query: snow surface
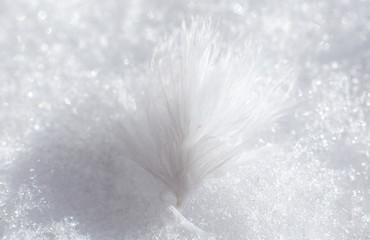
<point>68,68</point>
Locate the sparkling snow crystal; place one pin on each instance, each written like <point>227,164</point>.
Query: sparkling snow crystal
<point>75,79</point>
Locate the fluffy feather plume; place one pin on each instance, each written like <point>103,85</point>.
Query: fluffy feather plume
<point>204,108</point>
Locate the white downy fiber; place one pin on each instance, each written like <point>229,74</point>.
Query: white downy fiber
<point>205,103</point>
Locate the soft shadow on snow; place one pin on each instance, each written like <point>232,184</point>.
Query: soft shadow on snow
<point>75,169</point>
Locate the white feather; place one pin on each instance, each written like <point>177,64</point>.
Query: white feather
<point>205,105</point>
